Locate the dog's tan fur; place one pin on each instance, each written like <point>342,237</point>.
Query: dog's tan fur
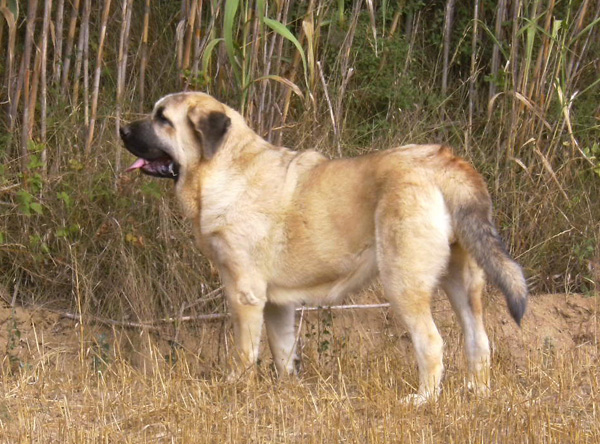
<point>285,228</point>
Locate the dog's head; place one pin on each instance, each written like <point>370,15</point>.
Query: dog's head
<point>183,130</point>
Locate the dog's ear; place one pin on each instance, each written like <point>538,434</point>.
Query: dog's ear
<point>211,127</point>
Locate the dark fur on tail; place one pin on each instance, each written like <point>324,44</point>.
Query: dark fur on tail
<point>470,205</point>
<point>477,234</point>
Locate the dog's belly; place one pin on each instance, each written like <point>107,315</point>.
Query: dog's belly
<point>324,289</point>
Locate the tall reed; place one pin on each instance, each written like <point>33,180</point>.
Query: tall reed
<point>511,87</point>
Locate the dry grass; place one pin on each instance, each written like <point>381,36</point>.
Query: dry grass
<point>543,390</point>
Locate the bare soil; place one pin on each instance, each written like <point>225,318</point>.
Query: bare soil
<point>554,325</point>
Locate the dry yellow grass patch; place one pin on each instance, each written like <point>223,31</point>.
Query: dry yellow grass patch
<point>356,368</point>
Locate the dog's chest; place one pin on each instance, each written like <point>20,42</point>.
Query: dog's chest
<point>220,201</point>
<point>231,209</point>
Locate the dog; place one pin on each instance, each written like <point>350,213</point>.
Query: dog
<point>285,228</point>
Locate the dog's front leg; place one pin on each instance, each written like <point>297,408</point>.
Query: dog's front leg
<point>281,333</point>
<point>247,321</point>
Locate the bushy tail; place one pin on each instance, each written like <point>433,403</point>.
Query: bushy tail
<point>468,200</point>
<point>477,234</point>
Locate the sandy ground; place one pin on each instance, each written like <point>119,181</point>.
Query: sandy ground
<point>554,324</point>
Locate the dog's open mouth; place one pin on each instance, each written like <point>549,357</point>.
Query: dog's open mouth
<point>161,167</point>
<point>152,155</point>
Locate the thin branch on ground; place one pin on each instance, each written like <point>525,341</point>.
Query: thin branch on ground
<point>154,324</point>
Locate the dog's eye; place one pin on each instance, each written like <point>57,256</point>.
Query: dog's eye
<point>160,117</point>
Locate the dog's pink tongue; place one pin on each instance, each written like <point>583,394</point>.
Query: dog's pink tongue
<point>136,165</point>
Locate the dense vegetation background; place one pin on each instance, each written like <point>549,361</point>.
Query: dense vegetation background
<point>512,85</point>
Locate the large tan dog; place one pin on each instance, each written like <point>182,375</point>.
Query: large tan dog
<point>285,228</point>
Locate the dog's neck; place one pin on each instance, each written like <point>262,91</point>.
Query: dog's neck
<point>242,144</point>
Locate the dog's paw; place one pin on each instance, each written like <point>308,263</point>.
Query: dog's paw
<point>240,375</point>
<point>478,388</point>
<point>417,399</point>
<point>288,368</point>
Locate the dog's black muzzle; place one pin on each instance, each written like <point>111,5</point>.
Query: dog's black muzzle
<point>141,140</point>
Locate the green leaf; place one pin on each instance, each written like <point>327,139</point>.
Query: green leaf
<point>207,55</point>
<point>25,198</point>
<point>260,6</point>
<point>36,207</point>
<point>34,147</point>
<point>340,12</point>
<point>231,7</point>
<point>34,240</point>
<point>65,198</point>
<point>284,81</point>
<point>35,162</point>
<point>281,29</point>
<point>35,182</point>
<point>75,165</point>
<point>492,36</point>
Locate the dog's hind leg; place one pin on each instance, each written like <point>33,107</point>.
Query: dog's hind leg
<point>464,284</point>
<point>412,252</point>
<point>281,333</point>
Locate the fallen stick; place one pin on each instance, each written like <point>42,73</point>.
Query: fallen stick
<point>207,317</point>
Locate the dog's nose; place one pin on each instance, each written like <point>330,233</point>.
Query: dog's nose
<point>124,131</point>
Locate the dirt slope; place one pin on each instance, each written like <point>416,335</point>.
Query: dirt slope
<point>553,324</point>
